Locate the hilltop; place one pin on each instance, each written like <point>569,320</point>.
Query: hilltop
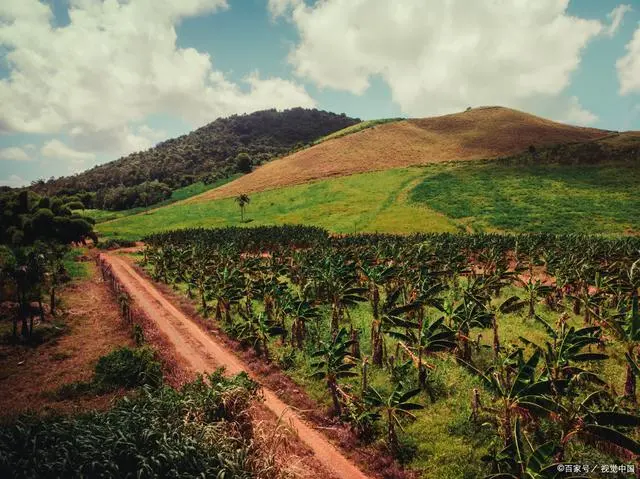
<point>207,153</point>
<point>481,133</point>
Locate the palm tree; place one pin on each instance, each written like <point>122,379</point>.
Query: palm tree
<point>333,363</point>
<point>243,200</point>
<point>393,407</point>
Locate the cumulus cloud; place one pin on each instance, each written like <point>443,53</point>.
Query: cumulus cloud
<point>14,153</point>
<point>279,8</point>
<point>57,150</point>
<point>616,15</point>
<point>112,66</point>
<point>629,66</point>
<point>14,181</point>
<point>440,56</point>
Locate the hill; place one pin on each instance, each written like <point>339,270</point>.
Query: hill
<point>207,153</point>
<point>481,133</point>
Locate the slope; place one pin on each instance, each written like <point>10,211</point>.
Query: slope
<point>208,152</point>
<point>488,132</point>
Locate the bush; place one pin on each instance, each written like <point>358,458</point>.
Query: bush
<point>195,432</point>
<point>128,368</point>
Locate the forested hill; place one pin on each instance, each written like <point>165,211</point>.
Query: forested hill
<point>208,153</point>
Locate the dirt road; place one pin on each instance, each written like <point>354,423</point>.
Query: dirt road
<point>202,353</point>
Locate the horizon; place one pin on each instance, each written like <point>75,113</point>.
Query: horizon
<point>84,82</point>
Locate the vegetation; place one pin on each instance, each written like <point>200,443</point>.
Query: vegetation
<point>206,154</point>
<point>434,336</point>
<point>126,197</point>
<point>363,125</point>
<point>203,429</point>
<point>27,217</point>
<point>242,200</point>
<point>536,197</point>
<point>438,198</point>
<point>100,216</point>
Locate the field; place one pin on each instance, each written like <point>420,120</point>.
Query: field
<point>179,194</point>
<point>446,350</point>
<point>438,198</point>
<point>477,134</point>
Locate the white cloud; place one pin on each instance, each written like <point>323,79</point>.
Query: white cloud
<point>14,181</point>
<point>629,66</point>
<point>616,15</point>
<point>14,153</point>
<point>115,64</point>
<point>278,8</point>
<point>440,56</point>
<point>57,150</point>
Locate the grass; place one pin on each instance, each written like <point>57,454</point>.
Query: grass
<point>533,198</point>
<point>442,441</point>
<point>367,202</point>
<point>435,198</point>
<point>100,216</point>
<point>363,125</point>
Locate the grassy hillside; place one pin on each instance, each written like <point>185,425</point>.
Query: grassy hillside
<point>476,134</point>
<point>180,194</point>
<point>481,195</point>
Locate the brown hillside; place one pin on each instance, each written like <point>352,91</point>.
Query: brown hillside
<point>481,133</point>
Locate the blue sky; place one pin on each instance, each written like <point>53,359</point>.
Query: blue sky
<point>86,81</point>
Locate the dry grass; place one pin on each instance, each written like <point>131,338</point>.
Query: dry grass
<point>479,133</point>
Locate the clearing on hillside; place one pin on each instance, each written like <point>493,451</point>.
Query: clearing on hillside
<point>489,132</point>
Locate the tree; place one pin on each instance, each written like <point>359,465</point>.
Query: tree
<point>243,163</point>
<point>333,363</point>
<point>393,407</point>
<point>243,200</point>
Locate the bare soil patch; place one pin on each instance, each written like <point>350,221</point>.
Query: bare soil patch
<point>28,373</point>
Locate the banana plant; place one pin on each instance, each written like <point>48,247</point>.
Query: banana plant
<point>521,459</point>
<point>518,390</point>
<point>566,348</point>
<point>333,362</point>
<point>394,408</point>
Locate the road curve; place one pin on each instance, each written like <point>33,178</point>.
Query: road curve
<point>202,353</point>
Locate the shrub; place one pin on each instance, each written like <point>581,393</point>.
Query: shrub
<point>163,432</point>
<point>127,368</point>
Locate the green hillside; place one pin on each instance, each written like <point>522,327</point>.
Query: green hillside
<point>490,196</point>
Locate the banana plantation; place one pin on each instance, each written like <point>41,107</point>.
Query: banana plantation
<point>521,350</point>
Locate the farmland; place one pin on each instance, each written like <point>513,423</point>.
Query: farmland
<point>502,350</point>
<point>437,198</point>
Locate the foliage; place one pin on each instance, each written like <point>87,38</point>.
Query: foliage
<point>126,197</point>
<point>382,321</point>
<point>485,196</point>
<point>202,429</point>
<point>27,217</point>
<point>127,368</point>
<point>207,153</point>
<point>537,197</point>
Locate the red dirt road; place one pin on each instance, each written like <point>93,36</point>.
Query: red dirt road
<point>202,353</point>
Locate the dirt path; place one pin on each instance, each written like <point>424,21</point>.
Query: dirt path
<point>203,353</point>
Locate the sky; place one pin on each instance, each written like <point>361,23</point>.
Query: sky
<point>83,82</point>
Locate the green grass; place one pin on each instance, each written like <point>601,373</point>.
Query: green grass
<point>367,202</point>
<point>438,198</point>
<point>363,125</point>
<point>76,269</point>
<point>100,216</point>
<point>532,198</point>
